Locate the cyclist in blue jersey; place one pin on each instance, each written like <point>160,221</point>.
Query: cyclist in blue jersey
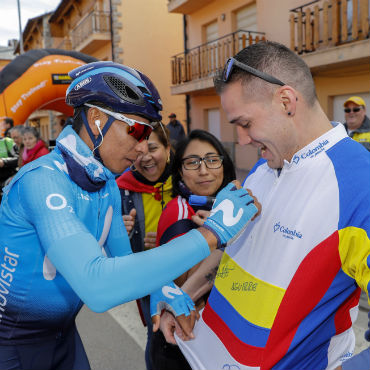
<point>62,238</point>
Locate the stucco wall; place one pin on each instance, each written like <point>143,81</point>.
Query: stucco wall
<point>149,38</point>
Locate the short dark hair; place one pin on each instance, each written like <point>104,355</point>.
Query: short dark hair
<point>201,135</point>
<point>19,128</point>
<point>9,121</point>
<point>77,120</point>
<point>277,60</point>
<point>33,131</point>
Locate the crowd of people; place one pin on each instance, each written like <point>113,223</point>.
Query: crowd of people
<point>18,146</point>
<point>264,275</point>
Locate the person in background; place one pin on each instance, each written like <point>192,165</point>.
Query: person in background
<point>34,146</point>
<point>16,133</point>
<point>357,122</point>
<point>8,160</point>
<point>145,190</point>
<point>176,129</point>
<point>8,124</point>
<point>202,167</point>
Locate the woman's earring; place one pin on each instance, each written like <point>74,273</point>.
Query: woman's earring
<point>133,168</point>
<point>168,159</point>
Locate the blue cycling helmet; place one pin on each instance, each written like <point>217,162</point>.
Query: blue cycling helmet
<point>121,88</point>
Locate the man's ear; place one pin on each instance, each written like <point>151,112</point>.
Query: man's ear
<point>94,115</point>
<point>288,100</point>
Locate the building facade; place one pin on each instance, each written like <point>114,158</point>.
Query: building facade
<point>118,30</point>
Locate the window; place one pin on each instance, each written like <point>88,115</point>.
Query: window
<point>246,18</point>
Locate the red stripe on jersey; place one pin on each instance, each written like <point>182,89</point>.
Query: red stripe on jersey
<point>243,353</point>
<point>342,318</point>
<point>321,265</point>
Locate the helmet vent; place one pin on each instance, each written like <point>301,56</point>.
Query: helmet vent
<point>122,90</point>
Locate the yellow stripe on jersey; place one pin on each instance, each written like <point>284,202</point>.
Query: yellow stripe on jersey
<point>254,299</point>
<point>354,251</point>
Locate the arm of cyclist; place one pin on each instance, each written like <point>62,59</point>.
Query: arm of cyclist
<point>102,282</point>
<point>99,281</point>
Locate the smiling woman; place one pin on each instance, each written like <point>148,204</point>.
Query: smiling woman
<point>201,166</point>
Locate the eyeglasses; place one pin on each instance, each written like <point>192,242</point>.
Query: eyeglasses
<point>232,63</point>
<point>212,162</point>
<point>354,110</point>
<point>137,129</point>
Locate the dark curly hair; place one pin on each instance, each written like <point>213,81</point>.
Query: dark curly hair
<point>201,135</point>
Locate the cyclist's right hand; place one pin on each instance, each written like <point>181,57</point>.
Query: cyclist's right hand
<point>233,208</point>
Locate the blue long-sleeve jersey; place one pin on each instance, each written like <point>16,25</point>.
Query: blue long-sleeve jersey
<point>61,246</point>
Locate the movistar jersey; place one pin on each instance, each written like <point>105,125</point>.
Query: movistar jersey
<point>60,244</point>
<point>287,291</point>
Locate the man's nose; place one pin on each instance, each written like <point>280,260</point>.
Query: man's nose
<point>243,136</point>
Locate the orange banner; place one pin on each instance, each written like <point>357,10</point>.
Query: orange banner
<point>41,86</point>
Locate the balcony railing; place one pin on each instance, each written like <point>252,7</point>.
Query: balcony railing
<point>205,60</point>
<point>95,22</point>
<point>321,24</point>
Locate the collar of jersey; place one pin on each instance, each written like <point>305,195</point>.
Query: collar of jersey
<point>83,168</point>
<point>317,147</point>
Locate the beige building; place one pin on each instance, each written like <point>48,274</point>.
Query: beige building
<point>141,34</point>
<point>332,36</point>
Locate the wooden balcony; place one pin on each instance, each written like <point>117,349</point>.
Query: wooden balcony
<point>320,25</point>
<point>92,33</point>
<point>195,69</point>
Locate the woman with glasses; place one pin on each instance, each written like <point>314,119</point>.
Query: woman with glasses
<point>145,190</point>
<point>201,167</point>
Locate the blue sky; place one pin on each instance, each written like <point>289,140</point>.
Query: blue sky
<point>9,27</point>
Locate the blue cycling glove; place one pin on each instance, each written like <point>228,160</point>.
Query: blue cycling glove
<point>231,212</point>
<point>171,298</point>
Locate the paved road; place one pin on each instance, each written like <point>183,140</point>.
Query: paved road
<point>110,345</point>
<point>116,340</point>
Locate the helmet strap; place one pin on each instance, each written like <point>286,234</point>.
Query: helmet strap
<point>97,140</point>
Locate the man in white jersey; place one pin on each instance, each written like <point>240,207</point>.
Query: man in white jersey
<point>287,291</point>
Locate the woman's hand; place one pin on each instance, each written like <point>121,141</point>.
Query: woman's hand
<point>149,240</point>
<point>129,220</point>
<point>200,217</point>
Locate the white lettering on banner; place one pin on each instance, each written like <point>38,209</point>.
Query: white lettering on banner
<point>7,275</point>
<point>49,62</point>
<point>15,107</point>
<point>169,291</point>
<point>227,208</point>
<point>26,95</point>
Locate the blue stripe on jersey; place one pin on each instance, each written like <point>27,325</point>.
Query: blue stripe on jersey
<point>247,332</point>
<point>316,327</point>
<point>260,162</point>
<point>353,183</point>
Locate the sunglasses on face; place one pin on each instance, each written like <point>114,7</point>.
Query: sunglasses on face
<point>232,63</point>
<point>354,110</point>
<point>137,129</point>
